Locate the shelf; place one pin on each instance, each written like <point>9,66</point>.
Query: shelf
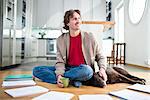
<point>107,24</point>
<point>98,22</point>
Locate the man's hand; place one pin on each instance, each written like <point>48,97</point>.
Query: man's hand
<point>59,82</point>
<point>103,74</point>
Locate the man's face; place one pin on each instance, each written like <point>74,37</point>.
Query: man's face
<point>75,21</point>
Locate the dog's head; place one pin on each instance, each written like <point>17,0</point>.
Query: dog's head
<point>98,80</point>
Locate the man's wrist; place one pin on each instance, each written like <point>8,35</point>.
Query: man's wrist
<point>102,68</point>
<point>59,75</point>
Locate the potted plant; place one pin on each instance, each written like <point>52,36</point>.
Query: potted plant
<point>42,34</point>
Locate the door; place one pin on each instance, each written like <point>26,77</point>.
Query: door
<point>7,32</point>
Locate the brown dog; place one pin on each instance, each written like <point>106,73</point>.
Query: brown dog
<point>115,75</point>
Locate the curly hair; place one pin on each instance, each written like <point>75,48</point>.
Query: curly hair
<point>68,15</point>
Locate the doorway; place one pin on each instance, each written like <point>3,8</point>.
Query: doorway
<point>119,27</point>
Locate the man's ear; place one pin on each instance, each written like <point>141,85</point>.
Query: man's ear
<point>68,24</point>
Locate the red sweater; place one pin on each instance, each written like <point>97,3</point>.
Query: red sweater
<point>75,51</point>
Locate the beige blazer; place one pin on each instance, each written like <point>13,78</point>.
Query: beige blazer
<point>90,48</point>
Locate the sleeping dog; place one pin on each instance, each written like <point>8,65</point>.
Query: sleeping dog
<point>115,75</point>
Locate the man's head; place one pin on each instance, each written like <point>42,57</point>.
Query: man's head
<point>72,20</point>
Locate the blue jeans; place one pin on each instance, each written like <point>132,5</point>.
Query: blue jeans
<point>75,73</point>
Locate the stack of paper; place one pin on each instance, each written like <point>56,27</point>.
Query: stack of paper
<point>53,95</point>
<point>95,97</point>
<point>25,91</point>
<point>130,95</point>
<point>8,84</point>
<point>139,87</point>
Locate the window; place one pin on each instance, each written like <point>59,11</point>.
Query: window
<point>136,10</point>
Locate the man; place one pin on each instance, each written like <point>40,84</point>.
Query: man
<point>76,53</point>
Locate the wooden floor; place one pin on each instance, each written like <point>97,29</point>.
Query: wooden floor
<point>140,72</point>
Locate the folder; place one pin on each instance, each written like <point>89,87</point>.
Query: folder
<point>18,77</point>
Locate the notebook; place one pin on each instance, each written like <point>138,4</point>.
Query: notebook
<point>8,84</point>
<point>53,95</point>
<point>130,95</point>
<point>95,97</point>
<point>26,91</point>
<point>139,87</point>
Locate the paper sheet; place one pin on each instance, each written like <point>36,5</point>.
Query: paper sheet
<point>18,83</point>
<point>53,95</point>
<point>139,87</point>
<point>25,91</point>
<point>130,95</point>
<point>95,97</point>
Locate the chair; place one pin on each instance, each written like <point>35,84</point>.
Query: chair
<point>117,54</point>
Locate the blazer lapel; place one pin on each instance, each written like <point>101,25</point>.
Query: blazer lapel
<point>83,47</point>
<point>67,44</point>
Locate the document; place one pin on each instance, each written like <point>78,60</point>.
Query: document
<point>53,95</point>
<point>8,84</point>
<point>95,97</point>
<point>130,95</point>
<point>25,91</point>
<point>139,87</point>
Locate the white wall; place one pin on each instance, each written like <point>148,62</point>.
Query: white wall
<point>136,36</point>
<point>148,31</point>
<point>47,13</point>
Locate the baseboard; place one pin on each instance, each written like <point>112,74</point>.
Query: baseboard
<point>9,67</point>
<point>134,65</point>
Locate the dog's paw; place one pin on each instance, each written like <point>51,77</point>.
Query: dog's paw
<point>142,82</point>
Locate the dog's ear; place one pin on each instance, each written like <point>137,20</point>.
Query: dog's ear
<point>98,81</point>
